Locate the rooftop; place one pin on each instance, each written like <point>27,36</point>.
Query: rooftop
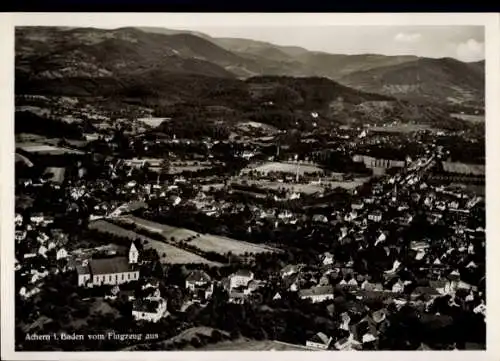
<point>110,265</point>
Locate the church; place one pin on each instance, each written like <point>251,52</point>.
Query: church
<point>110,271</point>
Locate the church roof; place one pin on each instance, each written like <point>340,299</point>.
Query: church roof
<point>110,265</point>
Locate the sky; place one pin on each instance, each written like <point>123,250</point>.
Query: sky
<point>465,43</point>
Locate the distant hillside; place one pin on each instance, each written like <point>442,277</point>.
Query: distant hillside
<point>52,53</point>
<point>447,80</point>
<point>260,48</point>
<point>163,67</point>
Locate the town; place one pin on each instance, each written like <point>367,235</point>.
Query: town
<point>331,240</point>
<point>183,191</point>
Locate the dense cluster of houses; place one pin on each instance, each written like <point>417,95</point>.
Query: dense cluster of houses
<point>40,250</point>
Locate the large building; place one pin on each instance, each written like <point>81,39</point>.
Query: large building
<point>110,271</point>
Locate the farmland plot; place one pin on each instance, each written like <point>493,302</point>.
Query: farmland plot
<point>173,255</point>
<point>204,242</point>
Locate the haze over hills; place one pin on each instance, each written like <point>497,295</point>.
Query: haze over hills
<point>424,79</point>
<point>88,59</point>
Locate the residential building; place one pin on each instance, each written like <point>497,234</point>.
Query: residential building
<point>375,216</point>
<point>62,253</point>
<point>317,294</point>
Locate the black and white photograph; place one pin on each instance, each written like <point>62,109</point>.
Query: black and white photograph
<point>250,187</point>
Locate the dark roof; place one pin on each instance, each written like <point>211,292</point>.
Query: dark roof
<point>198,276</point>
<point>110,265</point>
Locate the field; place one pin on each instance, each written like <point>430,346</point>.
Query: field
<point>165,230</point>
<point>286,168</point>
<point>45,149</point>
<point>204,242</point>
<point>173,255</point>
<point>222,245</point>
<point>463,168</point>
<point>469,118</point>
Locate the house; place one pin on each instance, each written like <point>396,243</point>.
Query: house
<point>319,341</point>
<point>42,238</point>
<point>18,220</point>
<point>62,253</point>
<point>37,218</point>
<point>240,278</point>
<point>109,271</point>
<point>28,292</point>
<point>317,294</point>
<point>327,259</point>
<point>149,310</point>
<point>20,235</point>
<point>42,251</point>
<point>375,216</point>
<point>481,308</point>
<point>197,279</point>
<point>277,296</point>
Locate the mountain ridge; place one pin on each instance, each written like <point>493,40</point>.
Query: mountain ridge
<point>90,53</point>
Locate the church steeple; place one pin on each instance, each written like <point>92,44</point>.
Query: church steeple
<point>133,254</point>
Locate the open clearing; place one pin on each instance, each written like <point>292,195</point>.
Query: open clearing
<point>173,255</point>
<point>204,242</point>
<point>285,167</point>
